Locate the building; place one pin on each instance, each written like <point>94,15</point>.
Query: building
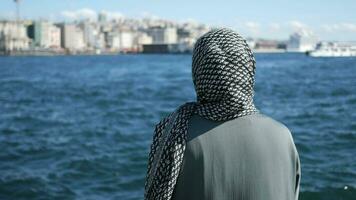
<point>44,35</point>
<point>90,34</point>
<point>262,45</point>
<point>163,35</point>
<point>54,37</point>
<point>302,41</point>
<point>173,38</point>
<point>13,36</point>
<point>127,40</point>
<point>72,37</point>
<point>123,40</point>
<point>114,41</point>
<point>100,41</point>
<point>186,39</point>
<point>142,38</point>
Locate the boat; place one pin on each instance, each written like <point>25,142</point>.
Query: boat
<point>333,49</point>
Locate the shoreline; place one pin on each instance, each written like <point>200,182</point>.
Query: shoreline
<point>106,53</point>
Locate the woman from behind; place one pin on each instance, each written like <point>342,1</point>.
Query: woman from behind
<point>221,147</point>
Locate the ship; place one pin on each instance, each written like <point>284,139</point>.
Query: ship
<point>333,49</point>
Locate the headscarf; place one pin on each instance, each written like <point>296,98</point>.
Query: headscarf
<point>223,69</point>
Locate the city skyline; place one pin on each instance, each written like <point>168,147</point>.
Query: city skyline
<point>272,20</point>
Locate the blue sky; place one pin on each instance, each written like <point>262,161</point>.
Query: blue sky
<point>274,19</point>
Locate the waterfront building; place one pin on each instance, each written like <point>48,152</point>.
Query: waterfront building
<point>269,46</point>
<point>122,40</point>
<point>55,37</point>
<point>163,35</point>
<point>266,45</point>
<point>174,38</point>
<point>302,41</point>
<point>100,41</point>
<point>72,37</point>
<point>185,39</point>
<point>44,35</point>
<point>183,33</point>
<point>126,40</point>
<point>143,38</point>
<point>13,36</point>
<point>188,33</point>
<point>90,34</point>
<point>196,30</point>
<point>114,41</point>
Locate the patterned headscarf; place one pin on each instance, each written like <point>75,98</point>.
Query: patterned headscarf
<point>223,72</point>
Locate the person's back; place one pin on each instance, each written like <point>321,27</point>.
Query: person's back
<point>220,147</point>
<point>251,157</point>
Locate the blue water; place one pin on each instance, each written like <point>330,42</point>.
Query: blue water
<point>79,127</point>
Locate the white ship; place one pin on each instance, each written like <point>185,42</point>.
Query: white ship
<point>333,49</point>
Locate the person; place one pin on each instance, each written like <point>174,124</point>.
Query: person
<point>221,147</point>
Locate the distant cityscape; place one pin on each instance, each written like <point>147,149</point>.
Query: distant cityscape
<point>122,35</point>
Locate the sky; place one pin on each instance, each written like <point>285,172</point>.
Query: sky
<point>273,19</point>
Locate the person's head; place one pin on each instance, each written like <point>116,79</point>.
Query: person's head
<point>223,69</point>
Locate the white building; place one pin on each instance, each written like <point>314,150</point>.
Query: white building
<point>127,40</point>
<point>100,41</point>
<point>143,38</point>
<point>93,36</point>
<point>124,40</point>
<point>163,35</point>
<point>90,34</point>
<point>72,37</point>
<point>301,42</point>
<point>113,41</point>
<point>13,36</point>
<point>54,37</point>
<point>46,35</point>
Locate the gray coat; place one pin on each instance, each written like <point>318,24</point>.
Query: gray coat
<point>247,158</point>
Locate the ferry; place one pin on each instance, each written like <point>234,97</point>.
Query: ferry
<point>333,49</point>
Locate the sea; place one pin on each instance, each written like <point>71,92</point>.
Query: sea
<point>80,127</point>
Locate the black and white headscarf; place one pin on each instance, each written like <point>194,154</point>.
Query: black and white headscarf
<point>223,71</point>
